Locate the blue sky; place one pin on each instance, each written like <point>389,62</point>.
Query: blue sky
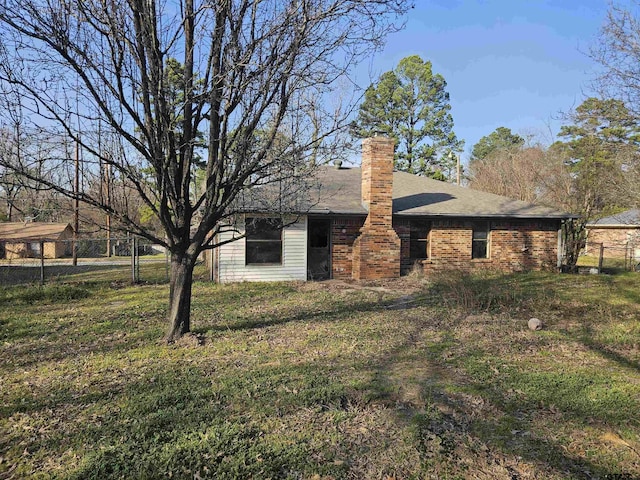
<point>512,63</point>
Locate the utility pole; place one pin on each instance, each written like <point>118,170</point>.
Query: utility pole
<point>105,185</point>
<point>457,158</point>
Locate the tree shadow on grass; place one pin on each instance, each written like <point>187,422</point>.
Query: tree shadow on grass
<point>70,324</point>
<point>119,339</point>
<point>478,424</point>
<point>273,319</point>
<point>609,353</point>
<point>184,422</point>
<point>62,348</point>
<point>588,337</point>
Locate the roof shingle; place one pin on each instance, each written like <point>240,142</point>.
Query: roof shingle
<point>414,195</point>
<point>627,218</point>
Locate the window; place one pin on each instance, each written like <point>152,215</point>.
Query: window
<point>480,242</point>
<point>33,249</point>
<point>264,240</point>
<point>419,240</point>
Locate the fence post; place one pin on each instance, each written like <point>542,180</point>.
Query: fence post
<point>626,256</point>
<point>214,265</point>
<point>600,258</point>
<point>41,262</point>
<point>166,264</point>
<point>134,277</point>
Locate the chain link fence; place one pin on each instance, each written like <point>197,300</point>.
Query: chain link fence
<point>602,258</point>
<point>117,259</point>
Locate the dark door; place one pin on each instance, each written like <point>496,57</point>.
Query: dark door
<point>319,249</point>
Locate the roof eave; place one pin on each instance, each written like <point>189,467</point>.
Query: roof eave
<point>422,214</point>
<point>487,215</point>
<point>613,225</point>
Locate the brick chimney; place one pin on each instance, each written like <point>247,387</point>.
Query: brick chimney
<point>376,252</point>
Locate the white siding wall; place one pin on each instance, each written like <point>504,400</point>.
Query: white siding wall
<point>231,258</point>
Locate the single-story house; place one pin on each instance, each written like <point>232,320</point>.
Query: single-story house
<point>33,239</point>
<point>372,223</point>
<point>619,234</point>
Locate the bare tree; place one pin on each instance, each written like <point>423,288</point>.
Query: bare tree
<point>248,68</point>
<point>11,146</point>
<point>26,198</point>
<point>514,172</point>
<point>618,52</point>
<point>10,185</point>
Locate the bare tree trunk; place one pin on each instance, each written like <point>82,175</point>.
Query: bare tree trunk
<point>574,233</point>
<point>181,279</point>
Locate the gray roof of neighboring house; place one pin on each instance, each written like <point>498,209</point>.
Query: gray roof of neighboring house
<point>32,231</point>
<point>622,219</point>
<point>414,195</point>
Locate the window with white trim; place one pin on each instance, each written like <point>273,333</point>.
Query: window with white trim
<point>263,241</point>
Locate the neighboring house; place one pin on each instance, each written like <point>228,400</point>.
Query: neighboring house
<point>619,235</point>
<point>373,223</point>
<point>34,239</point>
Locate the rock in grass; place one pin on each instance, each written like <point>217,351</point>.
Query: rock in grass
<point>535,324</point>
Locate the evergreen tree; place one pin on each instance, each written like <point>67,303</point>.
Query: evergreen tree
<point>500,139</point>
<point>411,105</point>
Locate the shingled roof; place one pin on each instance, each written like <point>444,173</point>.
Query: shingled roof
<point>420,196</point>
<point>32,231</point>
<point>622,219</point>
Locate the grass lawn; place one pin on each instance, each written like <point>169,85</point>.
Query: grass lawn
<point>416,378</point>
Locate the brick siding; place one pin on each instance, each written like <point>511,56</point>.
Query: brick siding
<point>617,242</point>
<point>513,246</point>
<point>344,232</point>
